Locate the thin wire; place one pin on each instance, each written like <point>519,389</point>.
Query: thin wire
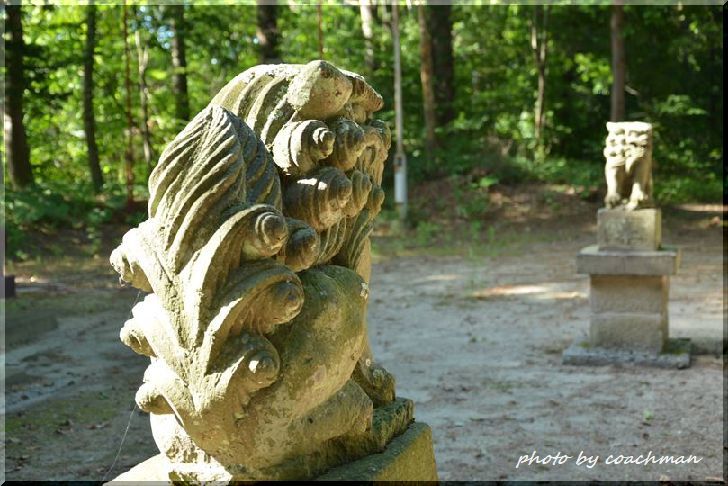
<point>123,439</point>
<point>131,415</point>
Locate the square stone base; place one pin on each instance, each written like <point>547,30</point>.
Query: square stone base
<point>618,229</point>
<point>408,457</point>
<point>581,352</point>
<point>634,332</point>
<point>629,312</point>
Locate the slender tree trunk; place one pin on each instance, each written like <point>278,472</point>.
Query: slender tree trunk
<point>439,23</point>
<point>400,159</point>
<point>179,62</point>
<point>367,27</point>
<point>143,55</point>
<point>17,151</point>
<point>426,77</point>
<point>618,61</point>
<point>539,41</point>
<point>267,33</point>
<point>319,15</point>
<point>89,123</point>
<point>129,166</point>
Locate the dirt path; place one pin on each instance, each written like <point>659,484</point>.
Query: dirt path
<point>476,341</point>
<point>477,344</point>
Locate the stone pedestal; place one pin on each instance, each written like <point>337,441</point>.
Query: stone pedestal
<point>409,457</point>
<point>629,230</point>
<point>402,449</point>
<point>629,291</point>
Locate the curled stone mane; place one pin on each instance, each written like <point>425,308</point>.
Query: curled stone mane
<point>256,257</point>
<point>317,122</point>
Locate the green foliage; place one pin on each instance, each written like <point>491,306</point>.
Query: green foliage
<point>567,171</point>
<point>48,208</point>
<point>680,189</point>
<point>472,198</point>
<point>426,232</point>
<point>674,80</point>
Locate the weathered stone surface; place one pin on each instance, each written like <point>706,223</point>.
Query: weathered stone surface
<point>592,260</point>
<point>629,293</point>
<point>633,331</point>
<point>629,312</point>
<point>618,229</point>
<point>256,255</point>
<point>409,457</point>
<point>398,447</point>
<point>628,169</point>
<point>581,352</point>
<point>153,469</point>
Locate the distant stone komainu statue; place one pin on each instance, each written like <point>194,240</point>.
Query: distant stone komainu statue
<point>629,268</point>
<point>257,256</point>
<point>628,170</point>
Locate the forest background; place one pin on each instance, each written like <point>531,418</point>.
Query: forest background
<point>492,95</point>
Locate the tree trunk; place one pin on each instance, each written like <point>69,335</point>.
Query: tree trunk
<point>179,62</point>
<point>143,55</point>
<point>400,160</point>
<point>618,61</point>
<point>17,151</point>
<point>267,33</point>
<point>367,28</point>
<point>539,40</point>
<point>426,78</point>
<point>89,123</point>
<point>129,165</point>
<point>439,22</point>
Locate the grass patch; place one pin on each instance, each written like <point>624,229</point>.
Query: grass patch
<point>83,410</point>
<point>456,241</point>
<point>68,304</point>
<point>676,346</point>
<point>34,215</point>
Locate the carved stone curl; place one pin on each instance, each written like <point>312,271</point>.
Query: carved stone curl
<point>628,169</point>
<point>257,256</point>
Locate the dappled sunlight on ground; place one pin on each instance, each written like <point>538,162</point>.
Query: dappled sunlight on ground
<point>546,291</point>
<point>441,278</point>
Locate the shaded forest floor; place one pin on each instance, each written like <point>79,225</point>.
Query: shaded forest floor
<point>470,309</point>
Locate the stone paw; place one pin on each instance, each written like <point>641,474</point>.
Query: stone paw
<point>612,200</point>
<point>377,382</point>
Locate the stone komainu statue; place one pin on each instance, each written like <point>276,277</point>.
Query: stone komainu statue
<point>256,255</point>
<point>628,170</point>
